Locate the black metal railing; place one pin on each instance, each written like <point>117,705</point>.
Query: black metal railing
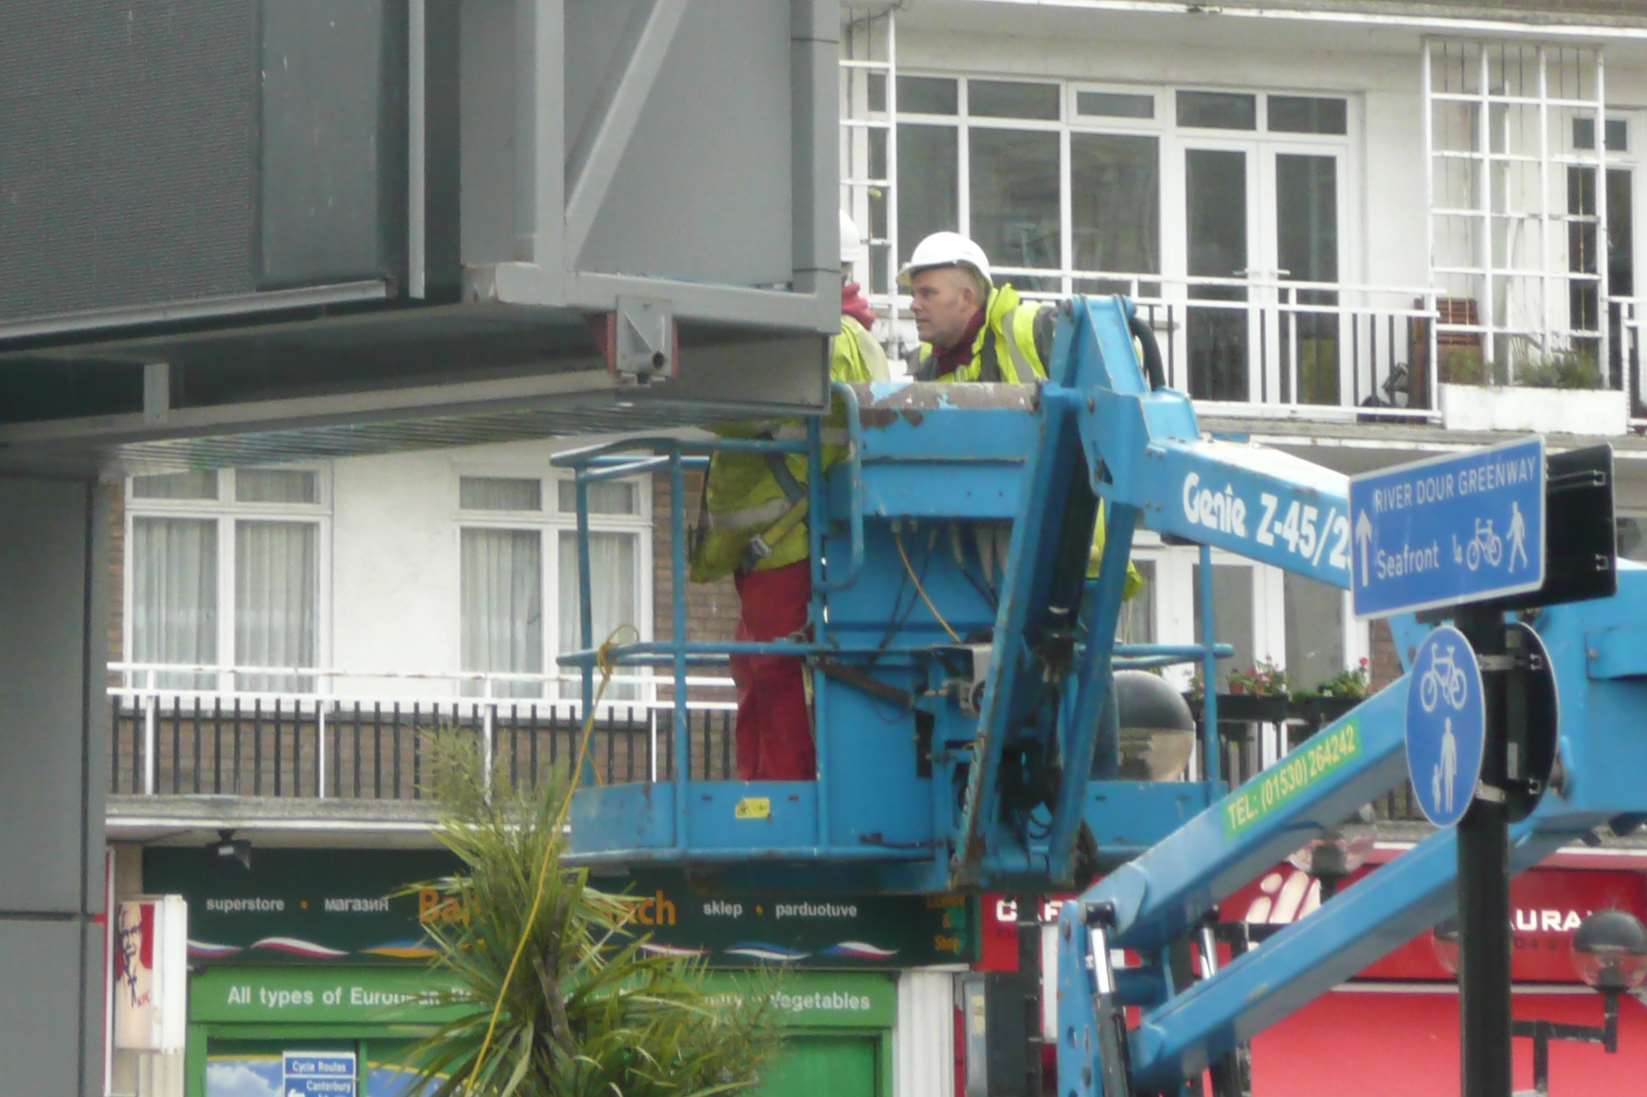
<point>229,745</point>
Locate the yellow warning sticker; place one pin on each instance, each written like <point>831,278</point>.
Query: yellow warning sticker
<point>753,807</point>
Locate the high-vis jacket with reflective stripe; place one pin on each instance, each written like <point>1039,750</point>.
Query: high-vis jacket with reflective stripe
<point>743,497</point>
<point>1010,348</point>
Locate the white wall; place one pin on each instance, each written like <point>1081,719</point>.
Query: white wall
<point>395,560</point>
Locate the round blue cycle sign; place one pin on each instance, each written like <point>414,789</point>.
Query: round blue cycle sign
<point>1446,725</point>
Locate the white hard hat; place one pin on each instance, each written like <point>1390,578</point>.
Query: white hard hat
<point>852,241</point>
<point>946,249</point>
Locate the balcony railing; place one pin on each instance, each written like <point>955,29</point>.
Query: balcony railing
<point>1275,346</point>
<point>374,745</point>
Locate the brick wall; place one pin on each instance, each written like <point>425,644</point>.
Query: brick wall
<point>711,608</point>
<point>1385,664</point>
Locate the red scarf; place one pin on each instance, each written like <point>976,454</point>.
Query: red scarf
<point>856,305</point>
<point>952,359</point>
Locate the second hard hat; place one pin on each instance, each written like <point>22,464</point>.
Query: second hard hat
<point>852,241</point>
<point>946,249</point>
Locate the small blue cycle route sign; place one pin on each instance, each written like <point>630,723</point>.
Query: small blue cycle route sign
<point>1446,725</point>
<point>317,1074</point>
<point>1465,527</point>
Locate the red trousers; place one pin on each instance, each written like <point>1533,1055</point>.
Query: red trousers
<point>774,728</point>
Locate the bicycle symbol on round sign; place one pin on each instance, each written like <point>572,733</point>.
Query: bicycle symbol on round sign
<point>1443,678</point>
<point>1446,726</point>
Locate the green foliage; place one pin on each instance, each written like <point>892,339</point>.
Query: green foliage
<point>1464,366</point>
<point>1565,369</point>
<point>1561,369</point>
<point>587,1010</point>
<point>1354,682</point>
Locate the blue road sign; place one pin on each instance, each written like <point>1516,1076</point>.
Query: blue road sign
<point>317,1074</point>
<point>1446,725</point>
<point>1461,528</point>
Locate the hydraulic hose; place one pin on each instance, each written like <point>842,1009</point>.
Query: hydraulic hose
<point>1145,335</point>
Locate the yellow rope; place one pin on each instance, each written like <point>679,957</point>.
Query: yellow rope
<point>898,539</point>
<point>603,659</point>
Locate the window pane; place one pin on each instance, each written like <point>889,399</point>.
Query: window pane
<point>605,497</point>
<point>502,607</point>
<point>1315,632</point>
<point>174,597</point>
<point>1232,615</point>
<point>1618,134</point>
<point>1138,615</point>
<point>613,582</point>
<point>1215,184</point>
<point>276,601</point>
<point>928,184</point>
<point>500,493</point>
<point>926,95</point>
<point>1308,114</point>
<point>1218,110</point>
<point>176,485</point>
<point>1011,99</point>
<point>1115,104</point>
<point>1014,180</point>
<point>1306,206</point>
<point>276,486</point>
<point>1115,200</point>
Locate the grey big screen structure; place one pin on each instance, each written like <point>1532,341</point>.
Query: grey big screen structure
<point>245,231</point>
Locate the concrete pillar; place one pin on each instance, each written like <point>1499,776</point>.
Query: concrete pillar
<point>53,727</point>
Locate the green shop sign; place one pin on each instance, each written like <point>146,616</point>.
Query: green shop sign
<point>320,995</point>
<point>340,906</point>
<point>350,994</point>
<point>818,999</point>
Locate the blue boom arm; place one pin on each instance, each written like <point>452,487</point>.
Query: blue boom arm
<point>1141,452</point>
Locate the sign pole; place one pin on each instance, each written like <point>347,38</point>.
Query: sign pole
<point>1484,884</point>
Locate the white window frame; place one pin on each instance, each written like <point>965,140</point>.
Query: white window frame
<point>1175,605</point>
<point>226,512</point>
<point>549,523</point>
<point>1173,140</point>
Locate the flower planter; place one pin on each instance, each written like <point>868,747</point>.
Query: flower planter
<point>1543,410</point>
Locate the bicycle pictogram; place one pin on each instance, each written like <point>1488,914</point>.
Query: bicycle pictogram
<point>1485,545</point>
<point>1443,678</point>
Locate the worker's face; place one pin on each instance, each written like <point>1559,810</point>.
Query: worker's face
<point>946,299</point>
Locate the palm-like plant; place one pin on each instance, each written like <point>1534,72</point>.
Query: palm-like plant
<point>566,1000</point>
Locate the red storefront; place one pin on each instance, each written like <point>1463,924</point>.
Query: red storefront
<point>1394,1028</point>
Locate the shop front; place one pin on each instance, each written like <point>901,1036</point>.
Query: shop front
<point>309,973</point>
<point>1394,1028</point>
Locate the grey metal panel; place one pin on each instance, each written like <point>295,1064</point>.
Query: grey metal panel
<point>41,1027</point>
<point>127,135</point>
<point>43,691</point>
<point>333,148</point>
<point>99,563</point>
<point>703,192</point>
<point>92,984</point>
<point>486,105</point>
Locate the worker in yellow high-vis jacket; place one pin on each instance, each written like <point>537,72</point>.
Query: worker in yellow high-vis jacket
<point>973,330</point>
<point>754,529</point>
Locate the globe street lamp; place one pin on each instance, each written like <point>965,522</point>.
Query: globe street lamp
<point>1609,954</point>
